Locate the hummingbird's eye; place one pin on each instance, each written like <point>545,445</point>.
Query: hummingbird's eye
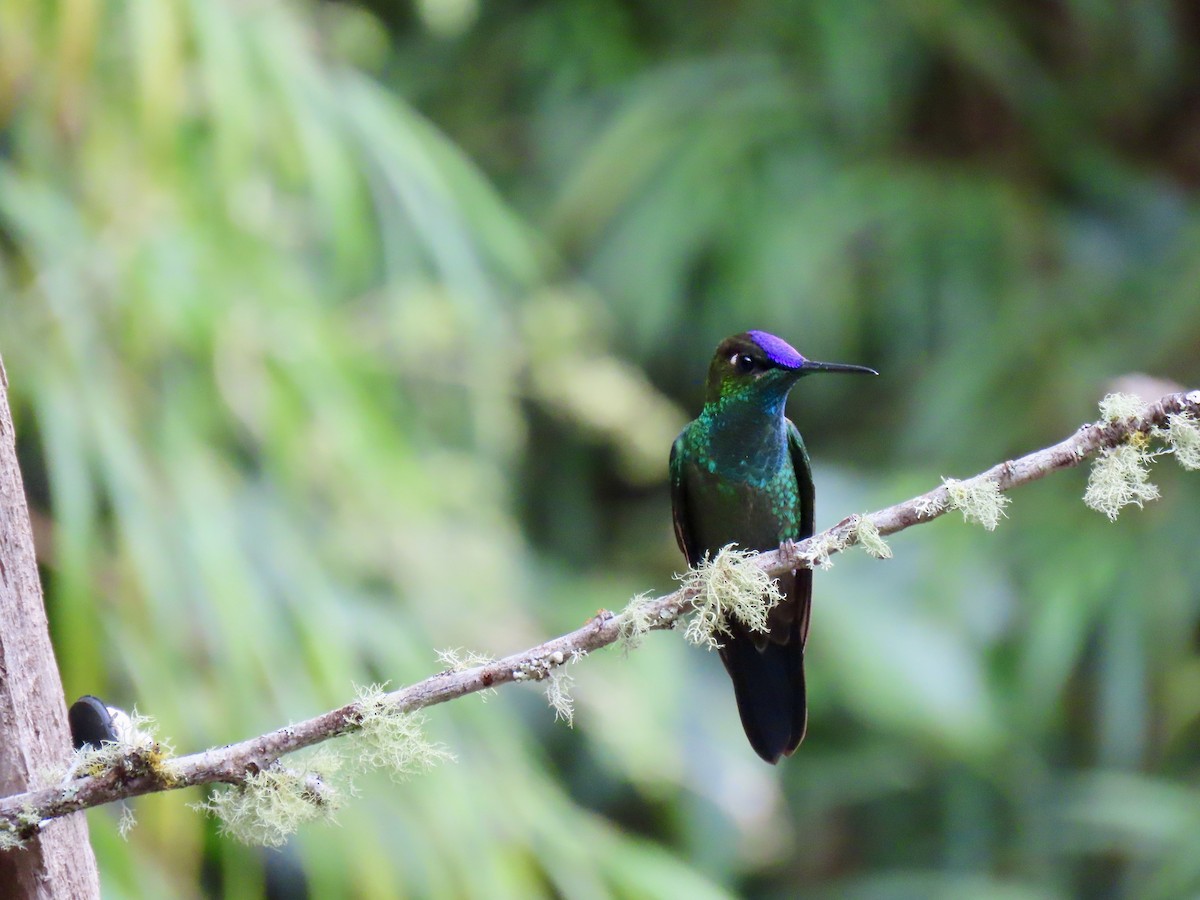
<point>743,364</point>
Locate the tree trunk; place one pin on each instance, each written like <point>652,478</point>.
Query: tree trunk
<point>34,736</point>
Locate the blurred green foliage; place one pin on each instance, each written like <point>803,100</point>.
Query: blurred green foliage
<point>339,334</point>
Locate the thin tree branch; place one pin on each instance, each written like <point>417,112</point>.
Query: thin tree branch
<point>140,771</point>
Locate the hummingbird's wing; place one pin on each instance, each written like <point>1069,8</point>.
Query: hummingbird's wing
<point>767,670</point>
<point>802,591</point>
<point>768,673</point>
<point>679,505</point>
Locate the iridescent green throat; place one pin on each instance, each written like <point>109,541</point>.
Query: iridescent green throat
<point>742,435</point>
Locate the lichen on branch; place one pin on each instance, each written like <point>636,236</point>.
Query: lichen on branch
<point>268,800</point>
<point>729,585</point>
<point>1120,475</point>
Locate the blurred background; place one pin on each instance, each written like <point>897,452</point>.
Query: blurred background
<point>342,333</point>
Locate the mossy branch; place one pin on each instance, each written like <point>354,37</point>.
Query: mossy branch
<point>146,768</point>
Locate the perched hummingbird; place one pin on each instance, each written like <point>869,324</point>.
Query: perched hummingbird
<point>740,474</point>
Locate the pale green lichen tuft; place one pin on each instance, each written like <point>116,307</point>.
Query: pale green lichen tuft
<point>391,739</point>
<point>978,499</point>
<point>558,695</point>
<point>1183,434</point>
<point>28,816</point>
<point>1118,407</point>
<point>867,534</point>
<point>730,585</point>
<point>636,620</point>
<point>1120,477</point>
<point>9,839</point>
<point>127,822</point>
<point>137,753</point>
<point>269,806</point>
<point>137,747</point>
<point>91,760</point>
<point>929,506</point>
<point>456,659</point>
<point>821,551</point>
<point>135,730</point>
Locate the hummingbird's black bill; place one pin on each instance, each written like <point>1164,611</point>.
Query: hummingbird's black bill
<point>811,366</point>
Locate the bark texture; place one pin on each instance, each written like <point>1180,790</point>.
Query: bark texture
<point>58,862</point>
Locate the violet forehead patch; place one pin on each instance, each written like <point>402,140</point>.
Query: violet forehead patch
<point>777,349</point>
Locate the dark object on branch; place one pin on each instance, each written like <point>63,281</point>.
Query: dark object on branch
<point>91,722</point>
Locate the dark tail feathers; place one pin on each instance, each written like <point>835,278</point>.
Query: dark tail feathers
<point>769,686</point>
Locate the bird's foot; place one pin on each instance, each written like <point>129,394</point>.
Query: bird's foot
<point>787,548</point>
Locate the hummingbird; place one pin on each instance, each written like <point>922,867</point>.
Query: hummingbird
<point>740,474</point>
